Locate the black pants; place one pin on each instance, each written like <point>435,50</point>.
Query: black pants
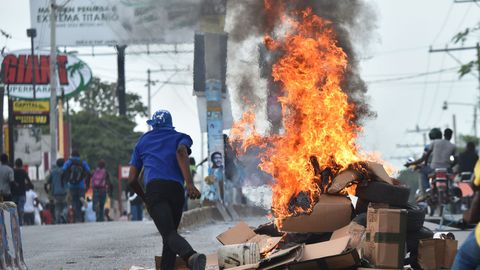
<point>165,201</point>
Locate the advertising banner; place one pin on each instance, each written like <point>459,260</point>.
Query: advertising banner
<point>73,74</point>
<point>119,22</point>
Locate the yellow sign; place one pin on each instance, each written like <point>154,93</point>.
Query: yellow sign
<point>31,119</point>
<point>28,107</point>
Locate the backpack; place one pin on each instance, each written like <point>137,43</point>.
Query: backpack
<point>75,173</point>
<point>99,179</point>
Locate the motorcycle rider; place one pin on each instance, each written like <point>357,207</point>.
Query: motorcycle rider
<point>441,150</point>
<point>424,162</point>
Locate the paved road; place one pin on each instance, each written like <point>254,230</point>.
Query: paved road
<point>112,245</point>
<point>116,245</point>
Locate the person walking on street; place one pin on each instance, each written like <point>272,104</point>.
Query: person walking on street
<point>18,187</point>
<point>31,200</point>
<point>58,188</point>
<point>76,173</point>
<point>100,184</point>
<point>6,179</point>
<point>163,154</point>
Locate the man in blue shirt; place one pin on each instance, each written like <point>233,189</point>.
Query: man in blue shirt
<point>163,154</point>
<point>76,173</point>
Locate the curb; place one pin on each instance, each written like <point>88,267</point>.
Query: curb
<point>210,214</point>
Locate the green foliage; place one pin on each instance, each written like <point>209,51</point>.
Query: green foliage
<point>100,99</point>
<point>461,37</point>
<point>107,137</point>
<point>98,132</point>
<point>410,178</point>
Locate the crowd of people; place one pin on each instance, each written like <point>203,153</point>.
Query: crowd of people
<point>66,186</point>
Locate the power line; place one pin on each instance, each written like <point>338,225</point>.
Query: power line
<point>413,76</point>
<point>444,23</point>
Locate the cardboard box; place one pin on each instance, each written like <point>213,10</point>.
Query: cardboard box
<point>241,233</point>
<point>437,253</point>
<point>329,255</point>
<point>329,214</point>
<point>384,245</point>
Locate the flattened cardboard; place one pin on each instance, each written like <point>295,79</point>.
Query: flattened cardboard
<point>329,214</point>
<point>342,180</point>
<point>282,258</point>
<point>329,255</point>
<point>379,171</point>
<point>241,233</point>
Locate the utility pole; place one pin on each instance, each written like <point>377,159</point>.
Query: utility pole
<point>474,105</point>
<point>2,93</point>
<point>32,33</point>
<point>454,122</point>
<point>420,130</point>
<point>149,102</point>
<point>53,83</point>
<point>122,106</point>
<point>477,48</point>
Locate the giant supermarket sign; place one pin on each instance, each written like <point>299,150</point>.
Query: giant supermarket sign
<point>73,75</point>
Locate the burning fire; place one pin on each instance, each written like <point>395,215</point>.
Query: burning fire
<point>318,121</point>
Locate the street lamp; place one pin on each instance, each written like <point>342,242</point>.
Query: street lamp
<point>445,107</point>
<point>32,33</point>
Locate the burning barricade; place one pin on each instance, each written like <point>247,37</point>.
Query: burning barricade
<point>336,235</point>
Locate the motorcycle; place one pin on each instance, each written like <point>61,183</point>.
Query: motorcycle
<point>442,192</point>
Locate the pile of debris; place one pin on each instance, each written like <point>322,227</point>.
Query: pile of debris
<point>378,232</point>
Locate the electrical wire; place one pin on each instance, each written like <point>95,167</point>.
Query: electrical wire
<point>422,74</point>
<point>435,94</point>
<point>447,17</point>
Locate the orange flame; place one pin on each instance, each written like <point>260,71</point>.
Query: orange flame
<point>317,118</point>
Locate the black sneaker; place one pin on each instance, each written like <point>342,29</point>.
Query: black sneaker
<point>197,261</point>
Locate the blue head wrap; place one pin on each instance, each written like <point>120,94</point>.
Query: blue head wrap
<point>161,119</point>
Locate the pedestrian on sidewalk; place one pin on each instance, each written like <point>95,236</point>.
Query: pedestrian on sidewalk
<point>163,154</point>
<point>100,184</point>
<point>6,179</point>
<point>31,200</point>
<point>58,188</point>
<point>76,173</point>
<point>18,187</point>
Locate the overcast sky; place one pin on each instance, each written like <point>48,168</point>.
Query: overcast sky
<point>406,30</point>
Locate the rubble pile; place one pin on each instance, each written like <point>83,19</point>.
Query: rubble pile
<point>382,230</point>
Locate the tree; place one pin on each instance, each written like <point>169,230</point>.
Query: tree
<point>98,132</point>
<point>462,37</point>
<point>100,99</point>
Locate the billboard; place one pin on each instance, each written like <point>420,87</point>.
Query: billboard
<point>124,22</point>
<point>73,74</point>
<point>26,112</point>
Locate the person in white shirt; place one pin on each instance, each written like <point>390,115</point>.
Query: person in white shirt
<point>31,199</point>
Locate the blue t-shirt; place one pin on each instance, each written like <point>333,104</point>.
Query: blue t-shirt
<point>85,166</point>
<point>156,152</point>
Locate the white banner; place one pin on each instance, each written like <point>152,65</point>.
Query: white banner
<point>112,22</point>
